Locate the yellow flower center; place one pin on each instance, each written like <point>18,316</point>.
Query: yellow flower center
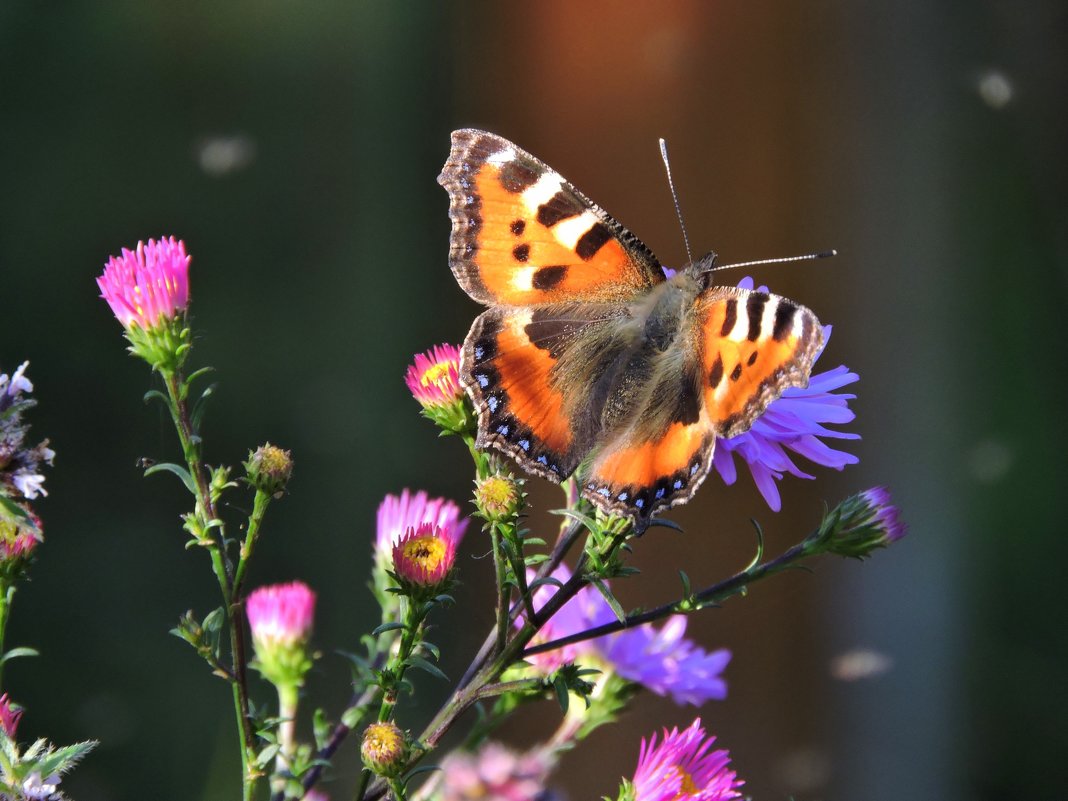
<point>435,374</point>
<point>687,788</point>
<point>426,552</point>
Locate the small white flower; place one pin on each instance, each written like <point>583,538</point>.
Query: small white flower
<point>29,484</point>
<point>19,383</point>
<point>37,788</point>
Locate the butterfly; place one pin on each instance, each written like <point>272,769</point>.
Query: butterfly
<point>589,359</point>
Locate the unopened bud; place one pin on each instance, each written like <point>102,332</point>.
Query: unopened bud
<point>498,497</point>
<point>384,749</point>
<point>269,468</point>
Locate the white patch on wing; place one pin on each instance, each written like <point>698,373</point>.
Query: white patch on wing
<point>741,325</point>
<point>522,278</point>
<point>568,232</point>
<point>547,186</point>
<point>501,157</point>
<point>767,322</point>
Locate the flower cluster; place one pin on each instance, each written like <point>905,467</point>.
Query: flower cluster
<point>660,659</point>
<point>20,464</point>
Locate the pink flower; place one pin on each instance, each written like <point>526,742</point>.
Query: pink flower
<point>424,556</point>
<point>494,774</point>
<point>683,767</point>
<point>434,378</point>
<point>281,614</point>
<point>9,716</point>
<point>147,285</point>
<point>397,514</point>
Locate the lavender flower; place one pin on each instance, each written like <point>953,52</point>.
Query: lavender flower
<point>662,660</point>
<point>861,523</point>
<point>792,422</point>
<point>20,465</point>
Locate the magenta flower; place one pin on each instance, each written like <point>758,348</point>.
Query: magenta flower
<point>660,659</point>
<point>681,767</point>
<point>793,422</point>
<point>148,284</point>
<point>424,557</point>
<point>281,614</point>
<point>9,716</point>
<point>494,773</point>
<point>398,513</point>
<point>434,378</point>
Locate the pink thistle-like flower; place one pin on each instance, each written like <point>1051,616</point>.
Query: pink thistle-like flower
<point>9,716</point>
<point>682,767</point>
<point>398,513</point>
<point>434,378</point>
<point>424,556</point>
<point>281,614</point>
<point>148,284</point>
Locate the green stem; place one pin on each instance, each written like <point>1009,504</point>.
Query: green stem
<point>7,596</point>
<point>205,512</point>
<point>396,667</point>
<point>255,521</point>
<point>288,698</point>
<point>736,584</point>
<point>502,596</point>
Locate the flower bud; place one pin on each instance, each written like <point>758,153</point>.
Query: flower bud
<point>268,469</point>
<point>280,617</point>
<point>861,523</point>
<point>384,749</point>
<point>20,534</point>
<point>9,716</point>
<point>499,497</point>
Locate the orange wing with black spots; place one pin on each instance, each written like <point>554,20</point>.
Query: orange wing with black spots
<point>755,345</point>
<point>523,236</point>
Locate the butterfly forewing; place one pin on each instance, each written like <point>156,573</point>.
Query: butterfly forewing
<point>523,236</point>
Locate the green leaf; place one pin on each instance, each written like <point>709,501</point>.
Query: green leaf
<point>617,608</point>
<point>536,559</point>
<point>155,394</point>
<point>178,470</point>
<point>321,728</point>
<point>563,697</point>
<point>431,649</point>
<point>214,620</point>
<point>200,406</point>
<point>545,580</point>
<point>267,754</point>
<point>422,664</point>
<point>386,627</point>
<point>686,591</point>
<point>417,771</point>
<point>15,653</point>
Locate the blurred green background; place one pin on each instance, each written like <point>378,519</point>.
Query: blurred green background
<point>294,147</point>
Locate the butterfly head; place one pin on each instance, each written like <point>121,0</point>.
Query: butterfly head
<point>703,268</point>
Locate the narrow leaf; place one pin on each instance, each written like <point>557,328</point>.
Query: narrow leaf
<point>15,653</point>
<point>617,608</point>
<point>179,471</point>
<point>422,664</point>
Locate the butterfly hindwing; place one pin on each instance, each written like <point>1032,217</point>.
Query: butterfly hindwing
<point>526,371</point>
<point>524,236</point>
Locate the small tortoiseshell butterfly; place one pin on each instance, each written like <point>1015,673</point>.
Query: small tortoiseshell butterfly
<point>589,358</point>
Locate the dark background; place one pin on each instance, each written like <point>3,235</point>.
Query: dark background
<point>924,140</point>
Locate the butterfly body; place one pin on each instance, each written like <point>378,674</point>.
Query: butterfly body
<point>589,359</point>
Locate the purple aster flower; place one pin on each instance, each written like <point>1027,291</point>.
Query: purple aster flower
<point>660,659</point>
<point>793,422</point>
<point>682,767</point>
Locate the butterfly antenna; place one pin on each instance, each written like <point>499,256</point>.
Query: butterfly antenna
<point>826,254</point>
<point>675,198</point>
